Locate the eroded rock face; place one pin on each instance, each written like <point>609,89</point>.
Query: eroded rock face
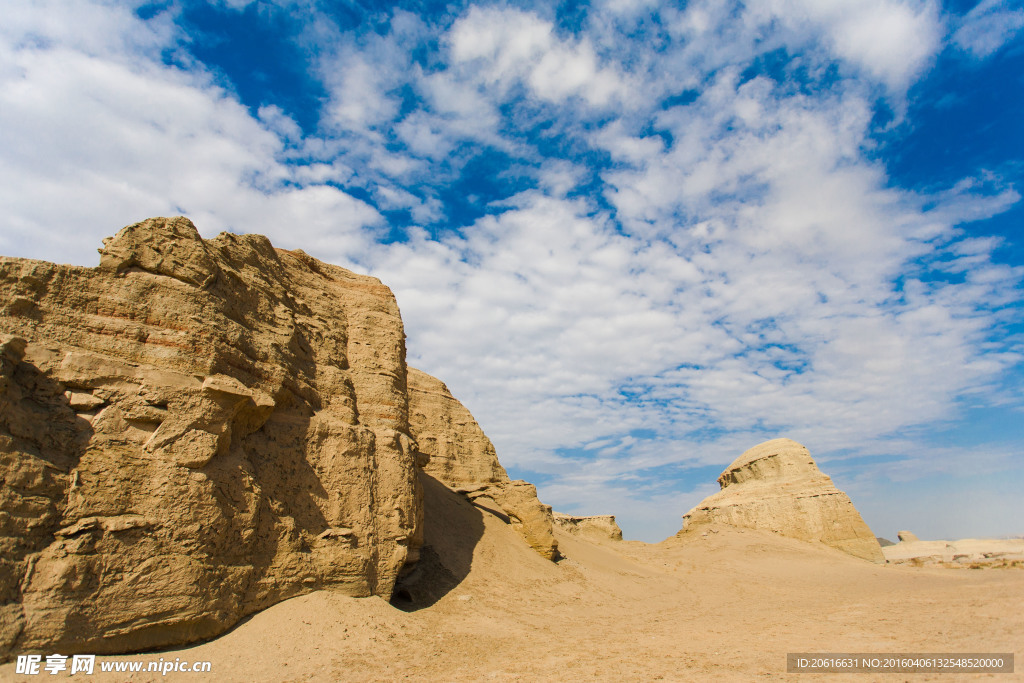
<point>463,458</point>
<point>191,432</point>
<point>777,486</point>
<point>460,453</point>
<point>598,527</point>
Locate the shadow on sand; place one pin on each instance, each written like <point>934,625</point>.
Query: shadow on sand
<point>452,526</point>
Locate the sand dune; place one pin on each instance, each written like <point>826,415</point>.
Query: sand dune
<point>724,603</point>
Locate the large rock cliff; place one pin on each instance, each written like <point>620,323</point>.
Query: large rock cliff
<point>463,458</point>
<point>777,486</point>
<point>191,432</point>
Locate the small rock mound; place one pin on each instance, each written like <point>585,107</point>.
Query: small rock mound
<point>777,486</point>
<point>599,527</point>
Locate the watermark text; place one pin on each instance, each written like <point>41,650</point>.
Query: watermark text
<point>904,662</point>
<point>33,665</point>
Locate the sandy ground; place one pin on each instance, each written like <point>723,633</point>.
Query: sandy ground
<point>725,606</point>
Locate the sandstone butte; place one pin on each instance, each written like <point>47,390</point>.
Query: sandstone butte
<point>198,429</point>
<point>778,487</point>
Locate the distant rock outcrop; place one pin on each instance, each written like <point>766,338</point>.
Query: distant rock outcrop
<point>597,527</point>
<point>463,458</point>
<point>777,486</point>
<point>191,432</point>
<point>976,552</point>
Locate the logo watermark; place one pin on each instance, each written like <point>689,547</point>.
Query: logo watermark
<point>33,665</point>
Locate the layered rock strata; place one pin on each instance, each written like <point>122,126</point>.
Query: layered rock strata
<point>463,458</point>
<point>191,432</point>
<point>597,527</point>
<point>777,486</point>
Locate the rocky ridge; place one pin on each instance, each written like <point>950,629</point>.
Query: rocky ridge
<point>463,458</point>
<point>777,486</point>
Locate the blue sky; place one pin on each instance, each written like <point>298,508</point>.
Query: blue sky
<point>634,238</point>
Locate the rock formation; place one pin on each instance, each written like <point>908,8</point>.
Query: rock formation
<point>595,527</point>
<point>191,432</point>
<point>463,458</point>
<point>975,552</point>
<point>777,486</point>
<point>460,453</point>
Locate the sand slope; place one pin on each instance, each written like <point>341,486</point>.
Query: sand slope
<point>728,604</point>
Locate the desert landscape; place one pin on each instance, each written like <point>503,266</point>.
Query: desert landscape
<point>214,451</point>
<point>727,605</point>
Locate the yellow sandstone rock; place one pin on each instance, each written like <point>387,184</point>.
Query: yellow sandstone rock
<point>191,432</point>
<point>594,527</point>
<point>463,458</point>
<point>777,486</point>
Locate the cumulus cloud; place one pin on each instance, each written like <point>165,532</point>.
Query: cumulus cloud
<point>97,135</point>
<point>892,40</point>
<point>510,46</point>
<point>884,42</point>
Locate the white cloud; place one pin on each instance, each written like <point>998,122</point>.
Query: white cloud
<point>892,40</point>
<point>470,113</point>
<point>510,46</point>
<point>887,42</point>
<point>628,7</point>
<point>106,30</point>
<point>988,26</point>
<point>93,140</point>
<point>360,89</point>
<point>279,123</point>
<point>559,177</point>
